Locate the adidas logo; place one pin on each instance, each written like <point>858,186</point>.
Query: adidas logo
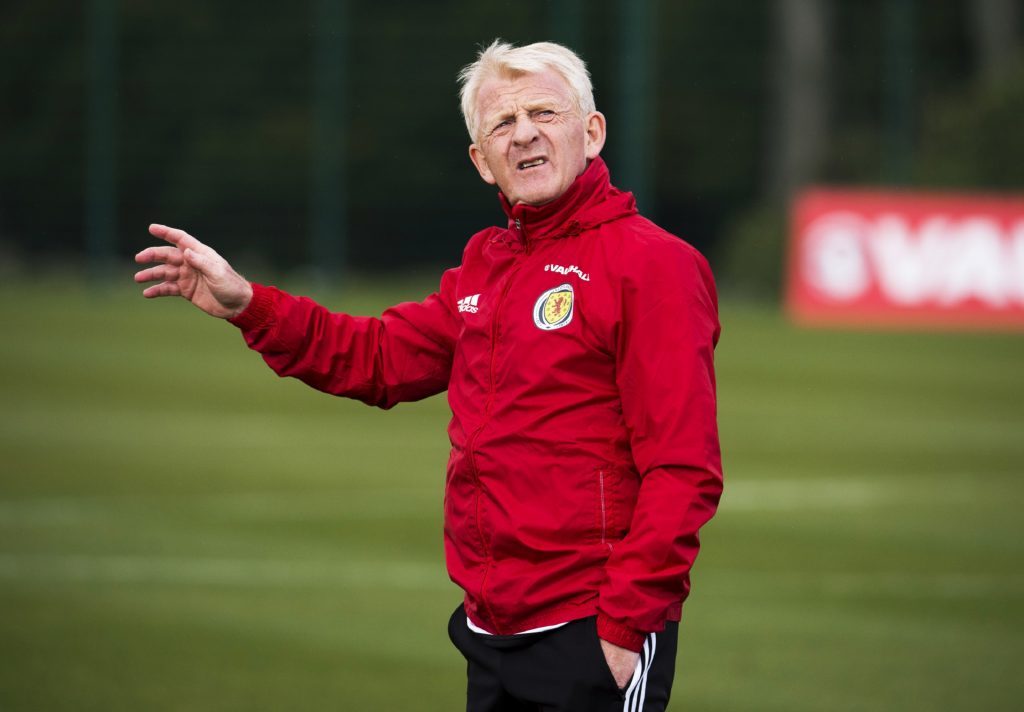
<point>470,304</point>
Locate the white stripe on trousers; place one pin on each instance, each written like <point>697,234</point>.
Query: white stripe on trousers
<point>636,693</point>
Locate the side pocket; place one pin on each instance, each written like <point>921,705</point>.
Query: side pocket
<point>619,486</point>
<point>613,489</point>
<point>614,508</point>
<point>603,509</point>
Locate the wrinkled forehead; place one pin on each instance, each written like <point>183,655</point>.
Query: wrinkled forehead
<point>510,92</point>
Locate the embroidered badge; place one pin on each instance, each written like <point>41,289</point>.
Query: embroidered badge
<point>554,308</point>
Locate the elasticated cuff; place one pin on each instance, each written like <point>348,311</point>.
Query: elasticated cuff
<point>619,634</point>
<point>259,310</point>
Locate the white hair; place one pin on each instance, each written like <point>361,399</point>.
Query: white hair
<point>502,59</point>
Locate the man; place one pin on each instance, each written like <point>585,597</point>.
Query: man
<point>576,346</point>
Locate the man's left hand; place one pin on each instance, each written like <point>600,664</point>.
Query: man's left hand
<point>621,661</point>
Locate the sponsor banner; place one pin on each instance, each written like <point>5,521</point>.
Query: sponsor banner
<point>906,259</point>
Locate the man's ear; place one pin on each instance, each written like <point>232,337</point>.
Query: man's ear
<point>476,155</point>
<point>596,132</point>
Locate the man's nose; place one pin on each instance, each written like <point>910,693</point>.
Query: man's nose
<point>525,130</point>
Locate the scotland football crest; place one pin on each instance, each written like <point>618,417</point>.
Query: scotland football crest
<point>554,308</point>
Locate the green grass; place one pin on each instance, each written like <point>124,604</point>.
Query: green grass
<point>181,530</point>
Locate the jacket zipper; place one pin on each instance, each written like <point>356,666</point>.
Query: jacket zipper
<point>471,443</point>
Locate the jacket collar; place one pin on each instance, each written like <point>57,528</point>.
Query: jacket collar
<point>590,201</point>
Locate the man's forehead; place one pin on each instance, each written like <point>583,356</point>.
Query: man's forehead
<point>509,90</point>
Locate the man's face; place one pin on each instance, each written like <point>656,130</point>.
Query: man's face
<point>531,139</point>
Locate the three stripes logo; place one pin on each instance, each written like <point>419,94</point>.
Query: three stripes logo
<point>636,691</point>
<point>470,304</point>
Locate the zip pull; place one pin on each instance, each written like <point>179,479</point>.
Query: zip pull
<point>522,236</point>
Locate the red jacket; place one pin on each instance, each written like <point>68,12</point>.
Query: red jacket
<point>576,346</point>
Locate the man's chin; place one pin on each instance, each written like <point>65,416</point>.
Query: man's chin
<point>536,203</point>
<point>538,197</point>
<point>540,192</point>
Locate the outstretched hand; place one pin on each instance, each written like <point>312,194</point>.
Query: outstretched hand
<point>188,268</point>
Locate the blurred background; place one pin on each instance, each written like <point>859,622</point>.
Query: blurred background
<point>327,133</point>
<point>180,530</point>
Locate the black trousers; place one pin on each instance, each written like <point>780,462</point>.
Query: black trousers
<point>560,670</point>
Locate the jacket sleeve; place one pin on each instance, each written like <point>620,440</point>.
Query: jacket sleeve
<point>404,355</point>
<point>666,383</point>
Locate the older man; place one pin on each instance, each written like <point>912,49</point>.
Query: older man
<point>576,345</point>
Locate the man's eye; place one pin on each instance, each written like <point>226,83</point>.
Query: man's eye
<point>544,115</point>
<point>501,125</point>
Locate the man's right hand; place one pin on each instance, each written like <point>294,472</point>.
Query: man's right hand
<point>188,268</point>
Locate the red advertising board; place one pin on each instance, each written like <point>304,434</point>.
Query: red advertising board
<point>869,258</point>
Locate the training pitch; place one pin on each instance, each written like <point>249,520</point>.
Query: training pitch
<point>182,530</point>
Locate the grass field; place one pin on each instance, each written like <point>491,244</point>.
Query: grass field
<point>181,530</point>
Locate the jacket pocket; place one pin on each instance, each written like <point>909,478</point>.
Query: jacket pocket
<point>616,496</point>
<point>603,504</point>
<point>609,519</point>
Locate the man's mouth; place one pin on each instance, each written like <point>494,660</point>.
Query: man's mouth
<point>531,163</point>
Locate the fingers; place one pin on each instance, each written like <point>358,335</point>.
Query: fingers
<point>164,289</point>
<point>170,271</point>
<point>175,236</point>
<point>170,255</point>
<point>161,272</point>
